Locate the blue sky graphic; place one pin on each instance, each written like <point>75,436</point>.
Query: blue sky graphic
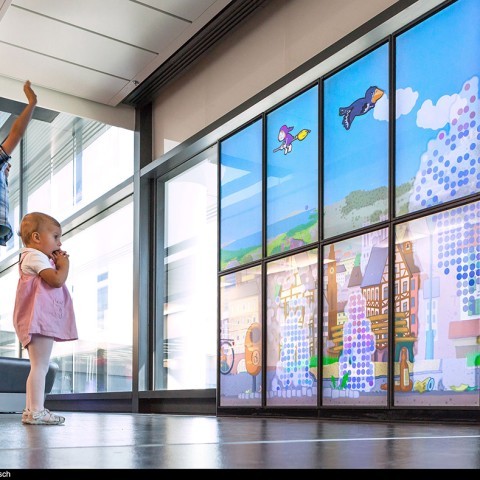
<point>356,159</point>
<point>435,60</point>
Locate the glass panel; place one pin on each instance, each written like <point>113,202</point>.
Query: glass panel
<point>437,357</point>
<point>292,173</point>
<point>437,114</point>
<point>292,335</point>
<point>67,162</point>
<point>356,144</point>
<point>241,197</point>
<point>241,338</point>
<point>101,282</point>
<point>355,320</point>
<point>9,345</point>
<point>190,304</point>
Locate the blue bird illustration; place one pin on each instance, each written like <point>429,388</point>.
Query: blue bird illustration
<point>360,106</point>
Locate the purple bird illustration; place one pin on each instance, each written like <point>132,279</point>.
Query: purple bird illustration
<point>360,106</point>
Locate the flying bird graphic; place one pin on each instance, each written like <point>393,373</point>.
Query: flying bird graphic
<point>360,106</point>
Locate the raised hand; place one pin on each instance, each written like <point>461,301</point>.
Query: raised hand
<point>29,93</point>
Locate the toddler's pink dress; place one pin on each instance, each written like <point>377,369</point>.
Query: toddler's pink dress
<point>42,309</point>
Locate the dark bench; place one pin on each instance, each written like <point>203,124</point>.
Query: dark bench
<point>13,378</point>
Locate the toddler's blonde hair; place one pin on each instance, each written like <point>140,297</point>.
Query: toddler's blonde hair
<point>34,222</point>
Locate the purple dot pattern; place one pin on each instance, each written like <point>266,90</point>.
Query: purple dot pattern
<point>294,346</point>
<point>458,234</point>
<point>358,346</point>
<point>450,168</point>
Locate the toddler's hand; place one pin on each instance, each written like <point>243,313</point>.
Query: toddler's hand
<point>60,256</point>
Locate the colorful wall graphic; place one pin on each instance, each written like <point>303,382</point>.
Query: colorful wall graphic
<point>292,173</point>
<point>435,315</point>
<point>291,324</point>
<point>356,144</point>
<point>438,361</point>
<point>240,356</point>
<point>355,321</point>
<point>241,197</point>
<point>437,114</point>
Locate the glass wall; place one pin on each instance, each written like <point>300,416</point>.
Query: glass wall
<point>9,344</point>
<point>398,283</point>
<point>101,282</point>
<point>70,164</point>
<point>355,137</point>
<point>292,173</point>
<point>68,172</point>
<point>355,320</point>
<point>241,197</point>
<point>241,347</point>
<point>437,354</point>
<point>437,129</point>
<point>292,334</point>
<point>186,328</point>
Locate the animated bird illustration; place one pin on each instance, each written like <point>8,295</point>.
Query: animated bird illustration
<point>360,106</point>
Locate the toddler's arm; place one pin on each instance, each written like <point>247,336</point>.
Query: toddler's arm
<point>57,278</point>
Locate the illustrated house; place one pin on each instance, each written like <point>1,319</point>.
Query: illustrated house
<point>375,289</point>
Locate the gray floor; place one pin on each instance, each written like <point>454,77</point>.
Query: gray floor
<point>153,441</point>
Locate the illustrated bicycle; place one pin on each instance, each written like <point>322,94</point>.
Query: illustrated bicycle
<point>227,355</point>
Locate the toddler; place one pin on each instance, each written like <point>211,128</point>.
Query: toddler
<point>43,311</point>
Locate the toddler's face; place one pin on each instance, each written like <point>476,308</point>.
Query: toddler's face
<point>50,239</point>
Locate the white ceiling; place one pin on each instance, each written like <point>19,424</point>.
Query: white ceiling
<point>98,49</point>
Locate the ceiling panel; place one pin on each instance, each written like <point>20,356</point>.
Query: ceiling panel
<point>50,38</point>
<point>105,50</point>
<point>121,20</point>
<point>59,76</point>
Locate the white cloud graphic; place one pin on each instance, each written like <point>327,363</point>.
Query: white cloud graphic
<point>437,116</point>
<point>405,99</point>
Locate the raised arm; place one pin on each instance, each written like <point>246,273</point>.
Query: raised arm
<point>21,122</point>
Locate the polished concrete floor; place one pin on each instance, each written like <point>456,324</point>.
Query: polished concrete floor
<point>153,441</point>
